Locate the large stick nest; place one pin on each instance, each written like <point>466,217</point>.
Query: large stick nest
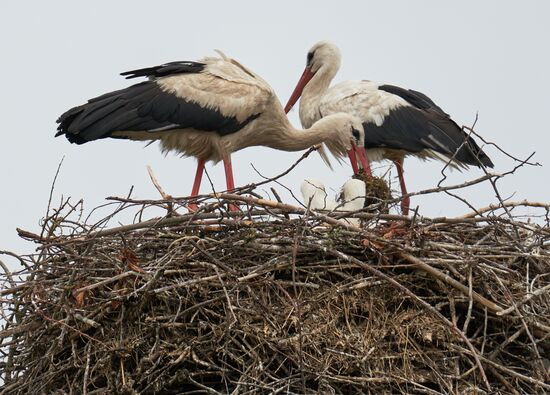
<point>279,300</point>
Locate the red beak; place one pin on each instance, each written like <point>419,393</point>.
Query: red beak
<point>304,79</point>
<point>360,152</point>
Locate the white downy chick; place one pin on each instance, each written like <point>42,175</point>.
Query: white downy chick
<point>353,197</point>
<point>314,190</point>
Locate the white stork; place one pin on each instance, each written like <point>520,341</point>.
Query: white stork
<point>206,109</point>
<point>398,122</point>
<point>352,197</point>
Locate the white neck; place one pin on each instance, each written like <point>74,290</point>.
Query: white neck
<point>287,138</point>
<point>315,89</point>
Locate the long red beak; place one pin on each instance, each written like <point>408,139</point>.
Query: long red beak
<point>360,152</point>
<point>304,79</point>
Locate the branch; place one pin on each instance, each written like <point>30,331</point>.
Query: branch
<point>493,207</point>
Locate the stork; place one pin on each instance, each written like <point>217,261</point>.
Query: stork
<point>398,122</point>
<point>352,197</point>
<point>206,109</point>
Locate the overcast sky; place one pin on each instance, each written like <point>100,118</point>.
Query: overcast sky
<point>486,57</point>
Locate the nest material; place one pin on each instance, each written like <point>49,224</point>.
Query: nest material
<point>266,304</point>
<point>378,191</point>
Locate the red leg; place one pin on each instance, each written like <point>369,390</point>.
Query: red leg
<point>229,179</point>
<point>406,202</point>
<point>228,174</point>
<point>196,184</point>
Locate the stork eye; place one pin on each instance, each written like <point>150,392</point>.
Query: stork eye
<point>309,57</point>
<point>355,133</point>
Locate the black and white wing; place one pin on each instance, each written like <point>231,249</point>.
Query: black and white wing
<point>214,95</point>
<point>401,119</point>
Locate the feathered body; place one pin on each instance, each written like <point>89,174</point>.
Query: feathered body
<point>398,122</point>
<point>206,109</point>
<point>352,197</point>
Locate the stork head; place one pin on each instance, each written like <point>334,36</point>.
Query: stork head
<point>343,134</point>
<point>324,53</point>
<point>322,56</point>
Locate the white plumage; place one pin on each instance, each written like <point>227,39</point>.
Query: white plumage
<point>315,195</point>
<point>352,197</point>
<point>207,109</point>
<point>398,122</point>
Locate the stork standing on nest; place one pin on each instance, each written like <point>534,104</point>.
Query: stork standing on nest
<point>398,122</point>
<point>206,109</point>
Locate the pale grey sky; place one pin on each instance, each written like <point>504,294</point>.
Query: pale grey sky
<point>490,57</point>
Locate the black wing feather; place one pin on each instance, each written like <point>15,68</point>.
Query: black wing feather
<point>166,69</point>
<point>413,130</point>
<point>141,107</point>
<point>423,125</point>
<point>415,98</point>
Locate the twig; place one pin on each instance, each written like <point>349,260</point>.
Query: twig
<point>52,189</point>
<point>451,281</point>
<point>527,298</point>
<point>86,370</point>
<point>284,173</point>
<point>413,296</point>
<point>164,195</point>
<point>493,207</point>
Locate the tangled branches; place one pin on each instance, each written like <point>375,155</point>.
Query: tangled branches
<point>277,299</point>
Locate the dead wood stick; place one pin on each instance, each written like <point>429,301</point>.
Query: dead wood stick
<point>149,224</point>
<point>530,296</point>
<point>109,280</point>
<point>156,183</point>
<point>493,207</point>
<point>451,281</point>
<point>20,329</point>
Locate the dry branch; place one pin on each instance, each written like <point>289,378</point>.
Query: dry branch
<point>277,298</point>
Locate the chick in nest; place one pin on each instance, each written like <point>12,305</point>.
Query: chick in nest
<point>351,198</point>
